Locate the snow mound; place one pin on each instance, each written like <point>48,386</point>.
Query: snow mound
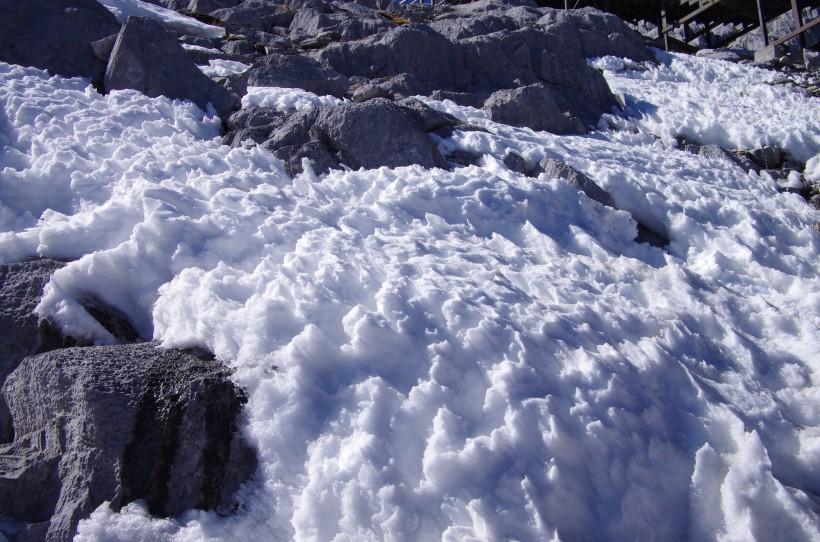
<point>467,354</point>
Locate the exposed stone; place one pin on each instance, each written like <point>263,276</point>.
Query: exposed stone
<point>254,14</point>
<point>768,157</point>
<point>208,6</point>
<point>811,59</point>
<point>534,107</point>
<point>559,170</point>
<point>346,133</point>
<point>515,162</point>
<point>148,58</point>
<point>370,91</point>
<point>21,333</point>
<point>55,35</point>
<point>769,54</point>
<point>290,71</point>
<point>117,424</point>
<point>102,48</point>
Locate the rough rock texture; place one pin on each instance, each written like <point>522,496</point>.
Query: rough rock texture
<point>291,71</point>
<point>557,169</point>
<point>148,58</point>
<point>533,106</point>
<point>371,134</point>
<point>119,423</point>
<point>21,333</point>
<point>55,35</point>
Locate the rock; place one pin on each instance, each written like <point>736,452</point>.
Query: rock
<point>471,99</point>
<point>254,117</point>
<point>483,63</point>
<point>291,71</point>
<point>148,58</point>
<point>208,6</point>
<point>815,201</point>
<point>117,424</point>
<point>21,333</point>
<point>55,35</point>
<point>534,107</point>
<point>556,169</point>
<point>811,59</point>
<point>769,54</point>
<point>768,157</point>
<point>102,48</point>
<point>322,40</point>
<point>722,54</point>
<point>242,47</point>
<point>346,133</point>
<point>598,34</point>
<point>429,119</point>
<point>515,162</point>
<point>254,14</point>
<point>369,91</point>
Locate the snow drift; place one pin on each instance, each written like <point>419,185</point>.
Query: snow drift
<point>465,354</point>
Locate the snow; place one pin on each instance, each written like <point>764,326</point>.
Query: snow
<point>466,354</point>
<point>222,68</point>
<point>285,99</point>
<point>122,9</point>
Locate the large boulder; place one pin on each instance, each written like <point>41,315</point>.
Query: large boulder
<point>21,332</point>
<point>255,15</point>
<point>331,136</point>
<point>148,58</point>
<point>533,106</point>
<point>292,71</point>
<point>55,35</point>
<point>117,424</point>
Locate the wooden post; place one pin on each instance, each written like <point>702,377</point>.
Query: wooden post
<point>761,15</point>
<point>663,26</point>
<point>798,22</point>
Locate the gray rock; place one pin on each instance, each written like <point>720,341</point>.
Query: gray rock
<point>291,71</point>
<point>488,62</point>
<point>811,59</point>
<point>533,106</point>
<point>815,201</point>
<point>242,47</point>
<point>55,35</point>
<point>768,157</point>
<point>117,424</point>
<point>369,91</point>
<point>559,170</point>
<point>429,119</point>
<point>102,48</point>
<point>208,6</point>
<point>471,99</point>
<point>595,33</point>
<point>148,58</point>
<point>515,162</point>
<point>345,132</point>
<point>254,117</point>
<point>21,333</point>
<point>254,14</point>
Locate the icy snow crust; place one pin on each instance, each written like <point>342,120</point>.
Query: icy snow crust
<point>456,355</point>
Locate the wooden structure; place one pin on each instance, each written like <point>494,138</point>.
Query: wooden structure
<point>699,17</point>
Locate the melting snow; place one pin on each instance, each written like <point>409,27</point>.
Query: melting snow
<point>468,354</point>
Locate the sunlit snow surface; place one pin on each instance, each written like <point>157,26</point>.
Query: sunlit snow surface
<point>458,355</point>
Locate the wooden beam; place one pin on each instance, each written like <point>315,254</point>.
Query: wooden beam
<point>797,31</point>
<point>798,21</point>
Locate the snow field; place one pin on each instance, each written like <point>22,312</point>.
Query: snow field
<point>456,355</point>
